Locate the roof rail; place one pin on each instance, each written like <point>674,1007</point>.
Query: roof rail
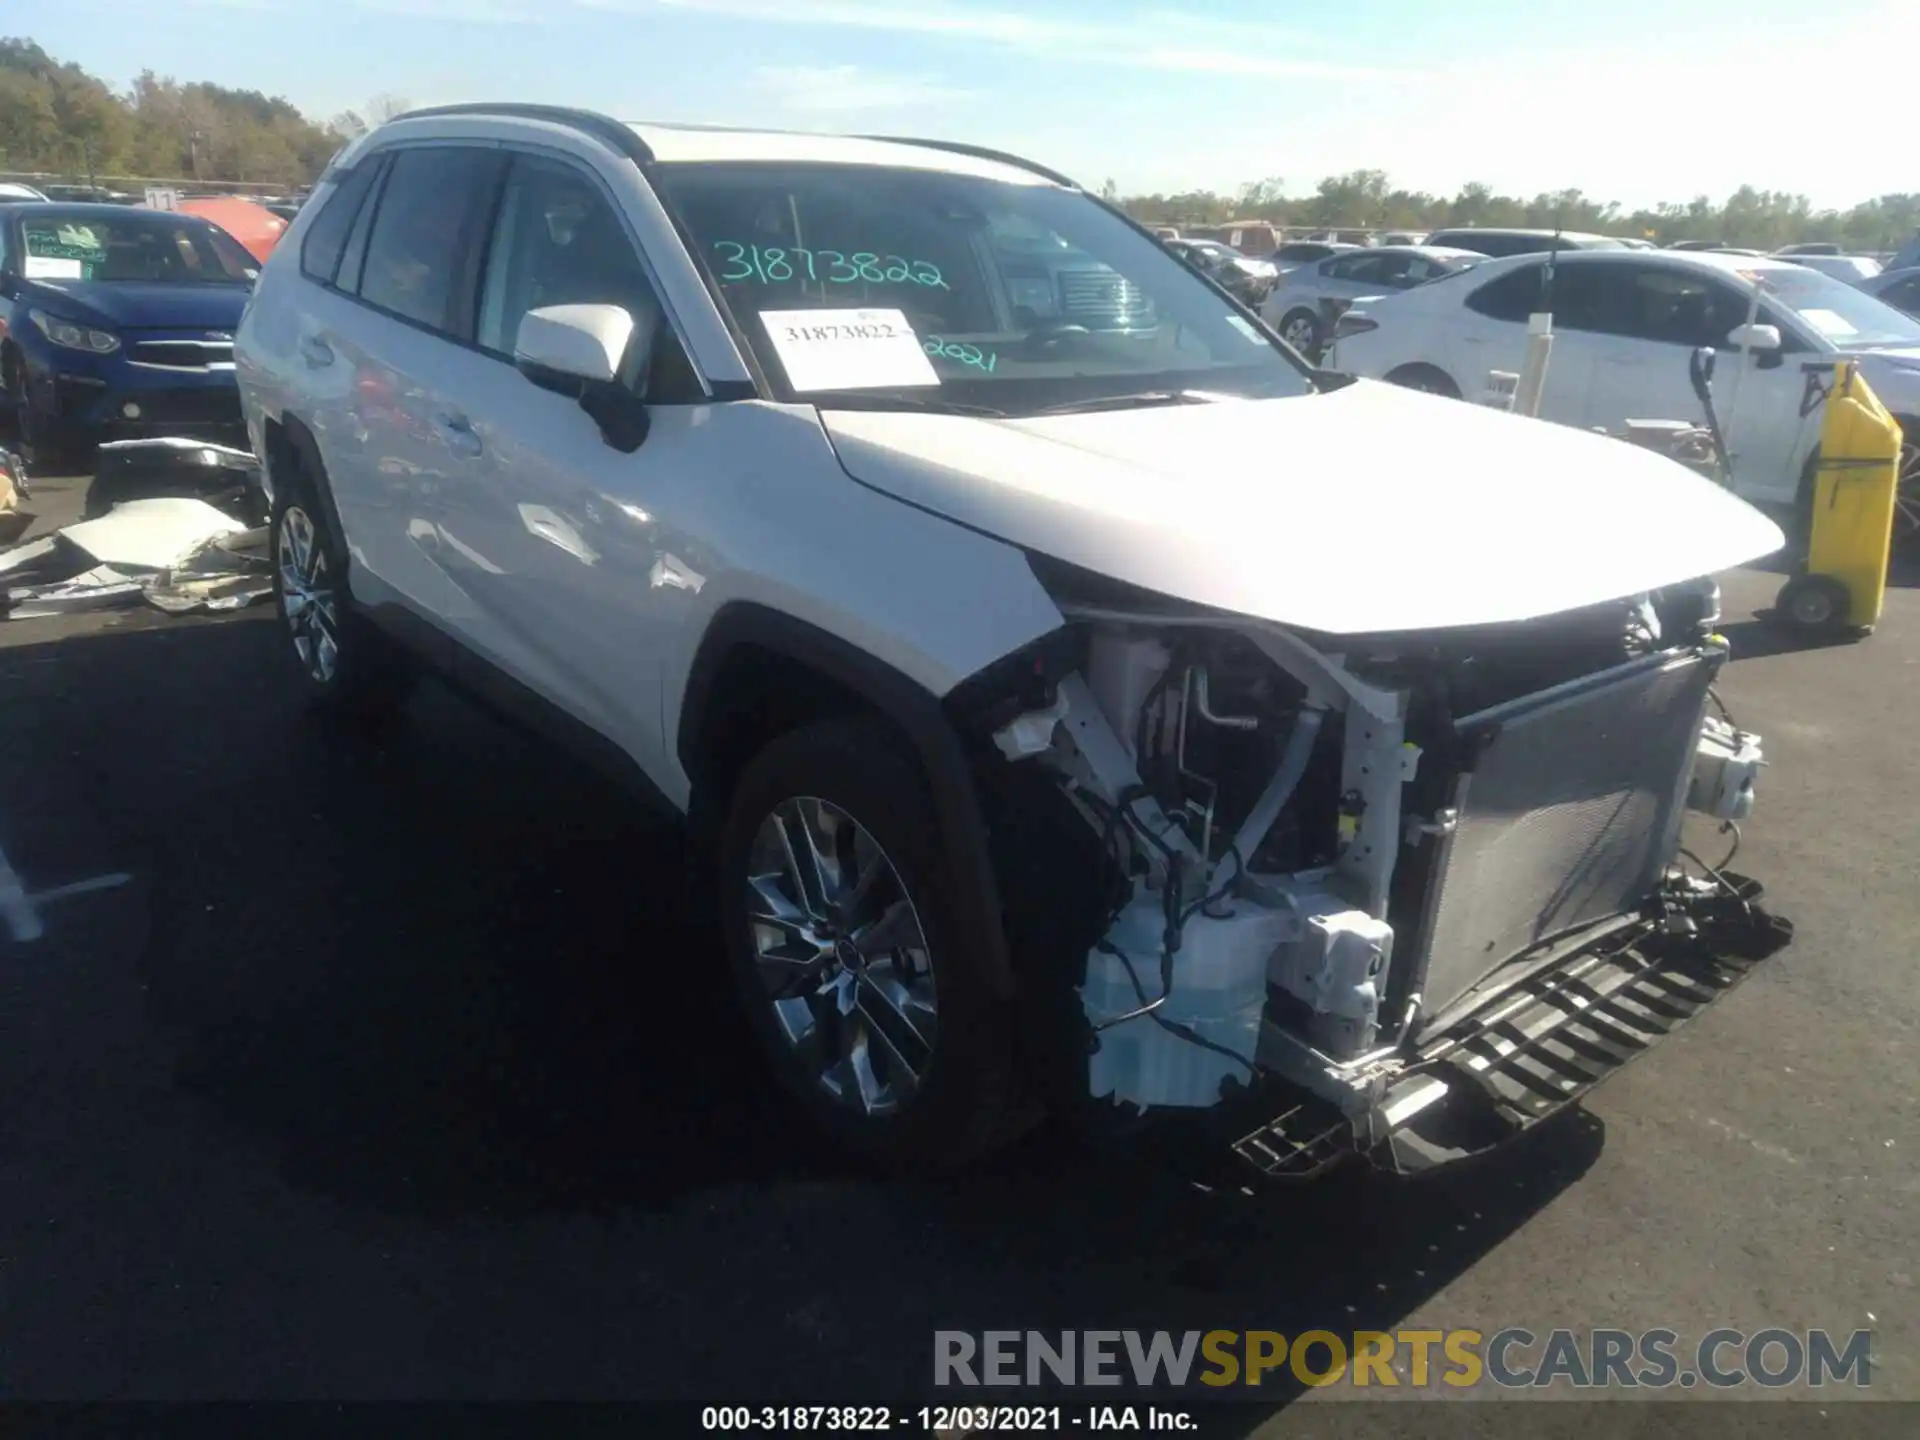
<point>602,127</point>
<point>980,152</point>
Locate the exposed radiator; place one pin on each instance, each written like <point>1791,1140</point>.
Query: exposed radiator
<point>1569,814</point>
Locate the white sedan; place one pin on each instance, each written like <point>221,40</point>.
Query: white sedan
<point>1307,301</point>
<point>1625,325</point>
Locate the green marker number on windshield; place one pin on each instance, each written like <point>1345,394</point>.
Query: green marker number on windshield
<point>777,265</point>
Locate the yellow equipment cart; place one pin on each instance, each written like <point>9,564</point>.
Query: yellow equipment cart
<point>1843,583</point>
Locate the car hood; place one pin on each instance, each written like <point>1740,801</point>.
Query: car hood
<point>1365,509</point>
<point>131,304</point>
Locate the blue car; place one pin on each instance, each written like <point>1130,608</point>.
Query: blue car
<point>118,322</point>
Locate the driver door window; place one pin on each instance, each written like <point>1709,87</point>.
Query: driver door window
<point>557,241</point>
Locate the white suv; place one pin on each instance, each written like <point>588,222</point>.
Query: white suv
<point>1072,694</point>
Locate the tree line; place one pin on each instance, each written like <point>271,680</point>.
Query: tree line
<point>1751,218</point>
<point>57,119</point>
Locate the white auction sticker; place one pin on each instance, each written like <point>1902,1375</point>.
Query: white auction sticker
<point>848,349</point>
<point>50,267</point>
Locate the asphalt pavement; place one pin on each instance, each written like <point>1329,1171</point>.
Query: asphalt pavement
<point>394,1070</point>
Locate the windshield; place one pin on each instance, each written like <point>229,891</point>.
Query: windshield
<point>151,247</point>
<point>1839,313</point>
<point>924,289</point>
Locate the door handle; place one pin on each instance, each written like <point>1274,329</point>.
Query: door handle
<point>458,432</point>
<point>316,352</point>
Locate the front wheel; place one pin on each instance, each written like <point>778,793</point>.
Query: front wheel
<point>48,445</point>
<point>840,922</point>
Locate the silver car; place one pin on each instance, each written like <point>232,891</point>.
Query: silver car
<point>1306,302</point>
<point>1854,269</point>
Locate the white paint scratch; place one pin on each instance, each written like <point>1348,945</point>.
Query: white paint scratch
<point>1778,1152</point>
<point>21,909</point>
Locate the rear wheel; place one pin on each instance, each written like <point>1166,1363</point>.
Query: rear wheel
<point>346,664</point>
<point>1425,377</point>
<point>1906,515</point>
<point>1301,330</point>
<point>842,934</point>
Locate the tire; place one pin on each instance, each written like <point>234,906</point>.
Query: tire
<point>1425,377</point>
<point>49,447</point>
<point>1301,330</point>
<point>940,1085</point>
<point>345,664</point>
<point>1816,604</point>
<point>1906,515</point>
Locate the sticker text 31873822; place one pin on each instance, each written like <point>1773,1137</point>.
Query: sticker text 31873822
<point>847,349</point>
<point>777,265</point>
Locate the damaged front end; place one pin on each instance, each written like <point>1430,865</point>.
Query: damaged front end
<point>1303,898</point>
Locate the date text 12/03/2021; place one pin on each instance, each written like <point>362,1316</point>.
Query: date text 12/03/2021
<point>947,1419</point>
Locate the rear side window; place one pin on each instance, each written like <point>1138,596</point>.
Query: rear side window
<point>327,236</point>
<point>1514,296</point>
<point>422,252</point>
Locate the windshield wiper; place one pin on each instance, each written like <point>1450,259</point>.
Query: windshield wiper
<point>1139,399</point>
<point>925,404</point>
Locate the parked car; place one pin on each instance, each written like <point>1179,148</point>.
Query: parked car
<point>1403,237</point>
<point>10,191</point>
<point>1625,326</point>
<point>1519,242</point>
<point>1898,288</point>
<point>1696,245</point>
<point>1908,255</point>
<point>1810,247</point>
<point>256,227</point>
<point>1310,298</point>
<point>1249,280</point>
<point>118,322</point>
<point>1851,268</point>
<point>1295,253</point>
<point>1032,756</point>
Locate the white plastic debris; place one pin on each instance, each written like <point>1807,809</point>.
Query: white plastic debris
<point>154,534</point>
<point>101,588</point>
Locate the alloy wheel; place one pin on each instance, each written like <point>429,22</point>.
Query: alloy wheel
<point>1906,517</point>
<point>841,955</point>
<point>1301,334</point>
<point>307,595</point>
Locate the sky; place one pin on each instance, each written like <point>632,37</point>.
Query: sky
<point>1629,100</point>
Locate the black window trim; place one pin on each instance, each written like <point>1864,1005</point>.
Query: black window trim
<point>338,178</point>
<point>369,211</point>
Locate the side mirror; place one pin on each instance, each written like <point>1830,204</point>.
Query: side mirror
<point>1755,339</point>
<point>584,351</point>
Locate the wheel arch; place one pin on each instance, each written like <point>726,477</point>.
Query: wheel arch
<point>291,445</point>
<point>1423,367</point>
<point>760,673</point>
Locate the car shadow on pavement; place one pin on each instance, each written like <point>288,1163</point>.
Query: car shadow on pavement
<point>437,973</point>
